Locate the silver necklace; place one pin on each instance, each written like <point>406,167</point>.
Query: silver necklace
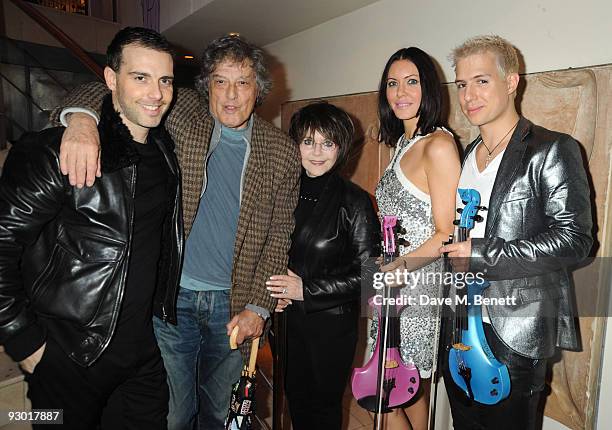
<point>490,151</point>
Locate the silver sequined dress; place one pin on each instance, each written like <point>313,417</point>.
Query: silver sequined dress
<point>419,323</point>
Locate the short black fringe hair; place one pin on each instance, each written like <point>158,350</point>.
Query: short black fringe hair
<point>329,120</point>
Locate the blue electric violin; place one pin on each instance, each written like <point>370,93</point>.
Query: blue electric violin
<point>473,367</point>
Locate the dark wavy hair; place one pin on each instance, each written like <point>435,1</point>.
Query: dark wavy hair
<point>329,120</point>
<point>140,36</point>
<point>430,111</point>
<point>234,48</point>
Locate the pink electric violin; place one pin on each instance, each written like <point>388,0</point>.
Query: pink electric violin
<point>385,382</point>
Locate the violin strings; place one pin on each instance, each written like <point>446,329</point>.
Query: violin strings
<point>460,321</point>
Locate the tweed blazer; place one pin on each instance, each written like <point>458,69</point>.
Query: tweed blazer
<point>269,195</point>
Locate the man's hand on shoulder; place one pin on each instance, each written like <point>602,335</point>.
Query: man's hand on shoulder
<point>80,150</point>
<point>29,364</point>
<point>250,325</point>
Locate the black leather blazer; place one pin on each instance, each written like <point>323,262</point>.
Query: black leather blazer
<point>539,223</point>
<point>328,250</point>
<point>64,251</point>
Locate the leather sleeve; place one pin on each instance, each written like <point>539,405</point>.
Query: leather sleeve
<point>567,239</point>
<point>31,195</point>
<point>335,290</point>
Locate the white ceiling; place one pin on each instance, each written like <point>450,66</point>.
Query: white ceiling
<point>191,24</point>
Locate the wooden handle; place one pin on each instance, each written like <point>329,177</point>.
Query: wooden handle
<point>254,349</point>
<point>253,358</point>
<point>233,336</point>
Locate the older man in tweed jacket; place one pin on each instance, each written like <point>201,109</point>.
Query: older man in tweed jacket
<point>209,128</point>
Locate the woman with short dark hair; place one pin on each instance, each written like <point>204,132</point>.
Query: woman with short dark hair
<point>336,230</point>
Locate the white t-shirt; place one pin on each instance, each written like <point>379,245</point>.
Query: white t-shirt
<point>482,182</point>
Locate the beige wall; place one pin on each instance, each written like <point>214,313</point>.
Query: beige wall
<point>93,34</point>
<point>347,54</point>
<point>171,12</point>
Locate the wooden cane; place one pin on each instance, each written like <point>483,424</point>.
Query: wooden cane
<point>254,350</point>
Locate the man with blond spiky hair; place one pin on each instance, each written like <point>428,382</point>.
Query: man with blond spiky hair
<point>538,222</point>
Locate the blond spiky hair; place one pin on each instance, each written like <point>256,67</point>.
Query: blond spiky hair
<point>504,51</point>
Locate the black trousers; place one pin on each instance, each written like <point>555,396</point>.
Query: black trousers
<point>519,411</point>
<point>134,372</point>
<point>320,351</point>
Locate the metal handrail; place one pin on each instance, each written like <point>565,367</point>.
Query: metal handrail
<point>23,93</point>
<point>36,61</point>
<point>62,37</point>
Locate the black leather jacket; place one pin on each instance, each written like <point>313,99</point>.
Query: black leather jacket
<point>64,251</point>
<point>328,250</point>
<point>539,223</point>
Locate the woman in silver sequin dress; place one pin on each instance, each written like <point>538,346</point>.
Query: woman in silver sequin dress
<point>419,187</point>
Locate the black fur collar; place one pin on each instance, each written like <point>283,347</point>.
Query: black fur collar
<point>116,146</point>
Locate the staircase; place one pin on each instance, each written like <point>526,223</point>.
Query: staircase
<point>33,79</point>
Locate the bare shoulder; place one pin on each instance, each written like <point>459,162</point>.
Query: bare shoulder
<point>440,144</point>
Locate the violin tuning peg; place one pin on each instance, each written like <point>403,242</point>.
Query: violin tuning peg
<point>478,218</point>
<point>459,210</point>
<point>482,208</point>
<point>402,241</point>
<point>401,230</point>
<point>456,222</point>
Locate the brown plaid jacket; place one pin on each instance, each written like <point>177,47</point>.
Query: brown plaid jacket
<point>269,195</point>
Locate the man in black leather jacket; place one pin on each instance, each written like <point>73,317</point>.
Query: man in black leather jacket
<point>537,224</point>
<point>79,268</point>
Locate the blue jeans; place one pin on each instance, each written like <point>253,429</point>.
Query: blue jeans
<point>201,367</point>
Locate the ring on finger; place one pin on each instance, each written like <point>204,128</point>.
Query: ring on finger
<point>284,291</point>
